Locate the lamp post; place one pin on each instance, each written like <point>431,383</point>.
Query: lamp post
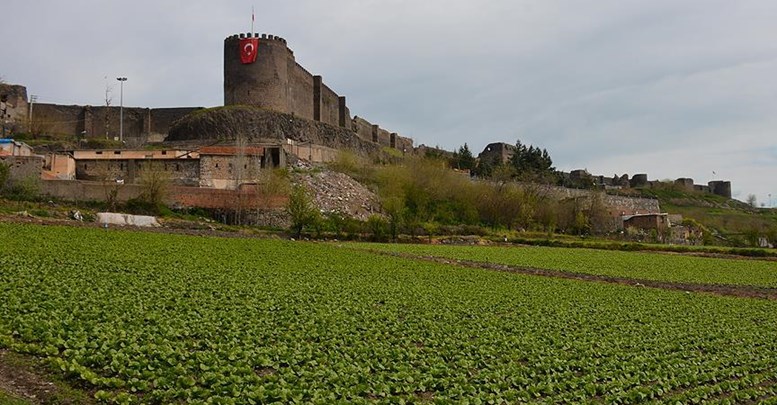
<point>33,99</point>
<point>121,108</point>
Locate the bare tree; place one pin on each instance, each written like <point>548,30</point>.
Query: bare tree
<point>752,201</point>
<point>108,101</point>
<point>110,179</point>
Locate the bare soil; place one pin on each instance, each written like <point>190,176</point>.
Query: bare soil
<point>22,378</point>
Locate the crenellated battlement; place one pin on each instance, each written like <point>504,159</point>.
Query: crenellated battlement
<point>264,37</point>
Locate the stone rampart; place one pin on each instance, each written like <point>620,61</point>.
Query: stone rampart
<point>73,121</point>
<point>277,82</point>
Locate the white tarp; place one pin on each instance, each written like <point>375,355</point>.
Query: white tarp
<point>112,218</point>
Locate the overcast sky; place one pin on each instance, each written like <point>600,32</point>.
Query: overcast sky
<point>671,88</point>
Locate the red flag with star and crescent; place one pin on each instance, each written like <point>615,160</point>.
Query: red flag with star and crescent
<point>248,48</point>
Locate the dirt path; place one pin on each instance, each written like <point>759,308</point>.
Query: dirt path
<point>18,380</point>
<point>725,290</point>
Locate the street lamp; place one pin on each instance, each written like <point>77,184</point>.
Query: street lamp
<point>33,99</point>
<point>121,108</point>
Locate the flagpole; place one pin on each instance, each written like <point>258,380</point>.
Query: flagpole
<point>252,20</point>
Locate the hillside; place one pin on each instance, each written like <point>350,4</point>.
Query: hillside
<point>733,220</point>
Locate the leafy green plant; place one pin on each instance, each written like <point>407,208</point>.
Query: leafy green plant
<point>152,318</point>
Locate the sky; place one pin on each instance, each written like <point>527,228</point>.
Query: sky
<point>671,88</point>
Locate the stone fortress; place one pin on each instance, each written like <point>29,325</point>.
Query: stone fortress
<point>500,152</point>
<point>274,82</point>
<point>273,108</point>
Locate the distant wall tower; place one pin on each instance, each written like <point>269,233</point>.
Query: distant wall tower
<point>264,82</point>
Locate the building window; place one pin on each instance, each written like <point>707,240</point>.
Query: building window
<point>164,152</point>
<point>117,152</point>
<point>99,152</point>
<point>177,167</point>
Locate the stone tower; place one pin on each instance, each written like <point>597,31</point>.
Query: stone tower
<point>263,82</point>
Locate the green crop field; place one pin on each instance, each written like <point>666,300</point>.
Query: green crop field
<point>154,318</point>
<point>636,265</point>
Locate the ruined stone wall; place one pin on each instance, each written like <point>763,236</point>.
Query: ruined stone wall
<point>177,196</point>
<point>224,171</point>
<point>13,108</point>
<point>177,171</point>
<point>616,205</point>
<point>23,167</point>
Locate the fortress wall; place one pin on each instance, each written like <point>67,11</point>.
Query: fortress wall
<point>162,118</point>
<point>300,91</point>
<point>384,137</point>
<point>58,120</point>
<point>277,82</point>
<point>100,121</point>
<point>616,205</point>
<point>404,144</point>
<point>329,102</point>
<point>362,127</point>
<point>263,83</point>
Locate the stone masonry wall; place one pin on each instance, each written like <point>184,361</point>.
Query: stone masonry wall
<point>277,82</point>
<point>100,122</point>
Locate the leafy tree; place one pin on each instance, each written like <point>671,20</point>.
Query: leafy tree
<point>5,174</point>
<point>301,210</point>
<point>463,159</point>
<point>532,164</point>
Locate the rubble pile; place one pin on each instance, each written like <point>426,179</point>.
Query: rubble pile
<point>335,192</point>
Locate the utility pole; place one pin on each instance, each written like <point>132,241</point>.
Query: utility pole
<point>121,109</point>
<point>33,99</point>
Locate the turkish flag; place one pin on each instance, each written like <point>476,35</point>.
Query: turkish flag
<point>248,48</point>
